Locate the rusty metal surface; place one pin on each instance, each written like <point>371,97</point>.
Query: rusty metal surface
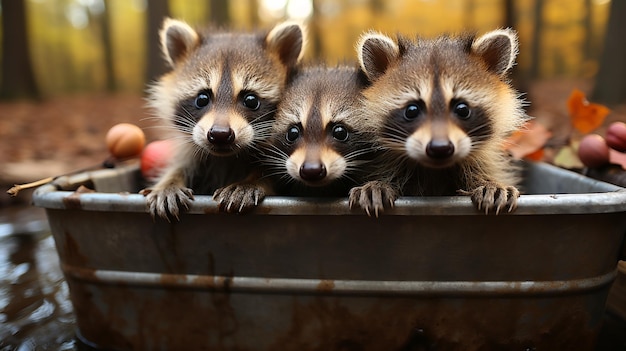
<point>313,275</point>
<point>126,317</point>
<point>338,287</point>
<point>616,301</point>
<point>549,190</point>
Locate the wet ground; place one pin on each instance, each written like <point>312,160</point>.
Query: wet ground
<point>35,312</point>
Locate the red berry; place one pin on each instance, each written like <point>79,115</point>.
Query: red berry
<point>616,136</point>
<point>155,157</point>
<point>593,151</point>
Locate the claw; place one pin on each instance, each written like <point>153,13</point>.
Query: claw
<point>373,197</point>
<point>239,198</point>
<point>494,197</point>
<point>165,202</point>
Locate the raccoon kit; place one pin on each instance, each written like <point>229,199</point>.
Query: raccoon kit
<point>218,103</point>
<point>443,108</point>
<point>320,141</point>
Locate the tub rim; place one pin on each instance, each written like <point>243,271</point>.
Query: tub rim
<point>609,198</point>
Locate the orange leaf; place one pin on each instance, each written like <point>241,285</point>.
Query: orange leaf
<point>528,140</point>
<point>535,156</point>
<point>585,116</point>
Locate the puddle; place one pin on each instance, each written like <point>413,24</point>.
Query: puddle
<point>35,310</point>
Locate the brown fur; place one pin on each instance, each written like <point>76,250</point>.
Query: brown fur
<point>321,104</point>
<point>443,108</point>
<point>218,104</point>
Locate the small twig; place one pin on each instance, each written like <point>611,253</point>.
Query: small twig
<point>108,163</point>
<point>19,187</point>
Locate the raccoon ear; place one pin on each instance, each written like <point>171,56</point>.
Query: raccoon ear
<point>177,40</point>
<point>498,49</point>
<point>376,52</point>
<point>287,41</point>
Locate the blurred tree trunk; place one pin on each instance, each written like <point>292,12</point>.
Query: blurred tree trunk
<point>610,86</point>
<point>535,60</point>
<point>219,14</point>
<point>253,13</point>
<point>377,8</point>
<point>156,66</point>
<point>18,78</point>
<point>588,24</point>
<point>520,80</point>
<point>107,45</point>
<point>469,7</point>
<point>510,20</point>
<point>314,32</point>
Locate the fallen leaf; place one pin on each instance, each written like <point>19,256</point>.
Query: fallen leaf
<point>528,141</point>
<point>567,157</point>
<point>585,116</point>
<point>536,156</point>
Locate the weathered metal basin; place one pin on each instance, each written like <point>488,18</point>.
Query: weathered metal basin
<point>311,274</point>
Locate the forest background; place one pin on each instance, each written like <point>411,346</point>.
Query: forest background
<point>72,68</point>
<point>109,45</point>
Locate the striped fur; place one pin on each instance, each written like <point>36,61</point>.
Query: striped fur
<point>320,143</point>
<point>443,108</point>
<point>217,104</point>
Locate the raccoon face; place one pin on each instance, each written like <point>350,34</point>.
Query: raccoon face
<point>224,119</point>
<point>222,93</point>
<point>440,101</point>
<point>436,131</point>
<point>316,141</point>
<point>316,153</point>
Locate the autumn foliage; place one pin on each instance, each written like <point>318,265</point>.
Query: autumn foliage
<point>585,116</point>
<point>582,148</point>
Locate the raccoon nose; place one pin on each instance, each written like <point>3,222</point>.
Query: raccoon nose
<point>312,171</point>
<point>440,149</point>
<point>219,135</point>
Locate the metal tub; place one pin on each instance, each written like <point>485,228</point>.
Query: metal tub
<point>311,274</point>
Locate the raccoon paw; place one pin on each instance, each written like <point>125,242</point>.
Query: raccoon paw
<point>373,196</point>
<point>493,197</point>
<point>165,202</point>
<point>238,198</point>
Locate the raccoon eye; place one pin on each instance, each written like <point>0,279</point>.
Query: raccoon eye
<point>251,101</point>
<point>293,134</point>
<point>462,110</point>
<point>412,111</point>
<point>202,99</point>
<point>340,133</point>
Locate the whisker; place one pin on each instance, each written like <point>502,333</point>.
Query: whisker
<point>357,153</point>
<point>274,174</point>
